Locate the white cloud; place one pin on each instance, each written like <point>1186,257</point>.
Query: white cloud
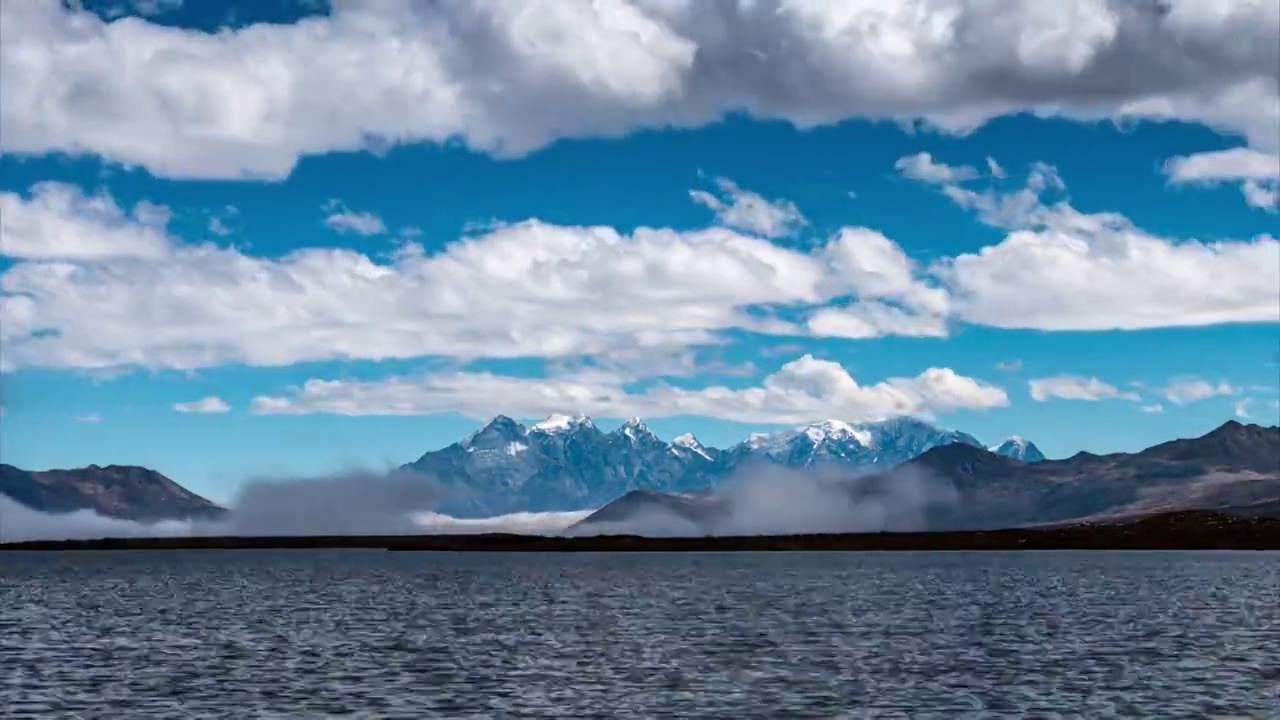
<point>1153,409</point>
<point>110,291</point>
<point>218,227</point>
<point>1233,164</point>
<point>1181,391</point>
<point>1241,407</point>
<point>893,298</point>
<point>1020,209</point>
<point>208,405</point>
<point>151,214</point>
<point>1011,366</point>
<point>749,211</point>
<point>59,222</point>
<point>865,320</point>
<point>924,168</point>
<point>1060,269</point>
<point>1074,387</point>
<point>89,419</point>
<point>508,78</point>
<point>1260,194</point>
<point>802,390</point>
<point>1258,173</point>
<point>526,289</point>
<point>140,7</point>
<point>343,220</point>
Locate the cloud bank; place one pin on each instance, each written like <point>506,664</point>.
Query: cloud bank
<point>799,391</point>
<point>509,78</point>
<point>97,287</point>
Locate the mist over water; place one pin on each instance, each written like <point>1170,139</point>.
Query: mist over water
<point>354,502</point>
<point>757,500</point>
<point>19,522</point>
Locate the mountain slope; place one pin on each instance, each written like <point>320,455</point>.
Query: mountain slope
<point>118,491</point>
<point>1235,467</point>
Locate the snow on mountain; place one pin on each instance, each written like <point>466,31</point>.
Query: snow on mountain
<point>870,444</point>
<point>1018,448</point>
<point>687,443</point>
<point>561,423</point>
<point>566,463</point>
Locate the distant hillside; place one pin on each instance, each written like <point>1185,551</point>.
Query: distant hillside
<point>118,491</point>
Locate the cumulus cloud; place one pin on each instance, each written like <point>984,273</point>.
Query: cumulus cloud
<point>59,222</point>
<point>750,212</point>
<point>208,405</point>
<point>1010,366</point>
<point>98,288</point>
<point>508,78</point>
<point>1153,409</point>
<point>1181,391</point>
<point>801,390</point>
<point>1075,387</point>
<point>1060,269</point>
<point>894,297</point>
<point>516,290</point>
<point>1257,173</point>
<point>344,220</point>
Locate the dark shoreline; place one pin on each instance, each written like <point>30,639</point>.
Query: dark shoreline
<point>1174,531</point>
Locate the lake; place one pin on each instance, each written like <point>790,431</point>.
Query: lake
<point>310,634</point>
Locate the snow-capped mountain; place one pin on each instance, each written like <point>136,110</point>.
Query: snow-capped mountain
<point>567,463</point>
<point>561,463</point>
<point>881,444</point>
<point>1019,449</point>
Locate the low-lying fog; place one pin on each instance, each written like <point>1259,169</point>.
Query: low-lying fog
<point>754,501</point>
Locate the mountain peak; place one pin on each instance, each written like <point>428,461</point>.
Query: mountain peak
<point>835,430</point>
<point>500,428</point>
<point>635,429</point>
<point>501,421</point>
<point>687,440</point>
<point>1229,426</point>
<point>559,423</point>
<point>1018,448</point>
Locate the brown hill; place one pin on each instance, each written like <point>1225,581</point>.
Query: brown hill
<point>119,491</point>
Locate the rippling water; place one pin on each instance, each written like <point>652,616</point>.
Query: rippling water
<point>373,634</point>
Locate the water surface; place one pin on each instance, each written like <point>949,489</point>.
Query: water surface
<point>769,635</point>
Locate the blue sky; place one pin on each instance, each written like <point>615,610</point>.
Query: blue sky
<point>1091,276</point>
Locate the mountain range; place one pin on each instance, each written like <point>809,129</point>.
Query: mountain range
<point>1234,468</point>
<point>567,463</point>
